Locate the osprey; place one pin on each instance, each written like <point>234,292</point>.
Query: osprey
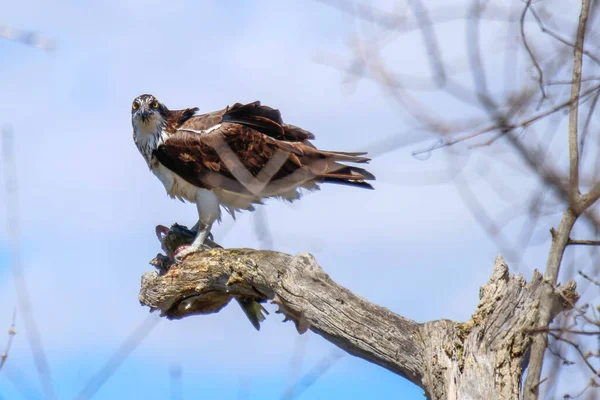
<point>234,158</point>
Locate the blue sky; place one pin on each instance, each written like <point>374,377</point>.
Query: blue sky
<point>89,205</point>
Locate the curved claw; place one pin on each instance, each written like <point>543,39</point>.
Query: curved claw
<point>180,253</point>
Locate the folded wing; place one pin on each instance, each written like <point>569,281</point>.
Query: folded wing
<point>265,119</point>
<point>244,157</point>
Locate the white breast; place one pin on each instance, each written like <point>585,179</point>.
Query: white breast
<point>175,186</point>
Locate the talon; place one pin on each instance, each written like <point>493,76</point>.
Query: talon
<point>179,250</point>
<point>180,253</point>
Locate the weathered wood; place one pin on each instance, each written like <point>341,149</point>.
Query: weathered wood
<point>483,358</point>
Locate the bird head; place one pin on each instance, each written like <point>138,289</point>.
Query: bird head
<point>147,110</point>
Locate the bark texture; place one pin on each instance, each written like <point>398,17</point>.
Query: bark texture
<point>483,358</point>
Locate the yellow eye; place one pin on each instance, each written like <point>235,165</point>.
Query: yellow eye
<point>154,105</point>
<point>135,106</point>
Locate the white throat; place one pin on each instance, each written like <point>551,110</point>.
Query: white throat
<point>148,135</point>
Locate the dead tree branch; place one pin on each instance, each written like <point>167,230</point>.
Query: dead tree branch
<point>482,358</point>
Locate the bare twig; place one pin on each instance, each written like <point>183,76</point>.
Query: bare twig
<point>591,384</point>
<point>21,383</point>
<point>114,362</point>
<point>562,330</point>
<point>578,349</point>
<point>521,124</point>
<point>591,197</point>
<point>584,242</point>
<point>586,126</point>
<point>261,229</point>
<point>11,334</point>
<point>532,57</point>
<point>296,366</point>
<point>313,375</point>
<point>430,41</point>
<point>556,36</point>
<point>589,278</point>
<point>574,111</point>
<point>588,79</point>
<point>23,298</point>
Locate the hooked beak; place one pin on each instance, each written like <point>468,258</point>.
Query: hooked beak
<point>144,113</point>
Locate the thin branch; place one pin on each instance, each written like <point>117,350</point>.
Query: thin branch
<point>114,362</point>
<point>589,278</point>
<point>586,125</point>
<point>560,38</point>
<point>591,383</point>
<point>574,112</point>
<point>21,383</point>
<point>578,348</point>
<point>430,40</point>
<point>544,329</point>
<point>261,229</point>
<point>581,242</point>
<point>313,375</point>
<point>588,79</point>
<point>591,197</point>
<point>11,334</point>
<point>540,78</point>
<point>400,24</point>
<point>524,123</point>
<point>23,298</point>
<point>295,366</point>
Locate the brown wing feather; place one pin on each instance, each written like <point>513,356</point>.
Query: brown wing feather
<point>193,157</point>
<point>204,121</point>
<point>264,119</point>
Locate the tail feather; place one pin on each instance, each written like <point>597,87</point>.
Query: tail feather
<point>348,175</point>
<point>253,310</point>
<point>342,181</point>
<point>354,157</point>
<point>351,173</point>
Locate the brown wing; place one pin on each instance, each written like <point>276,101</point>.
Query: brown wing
<point>177,118</point>
<point>203,121</point>
<point>264,119</point>
<point>240,159</point>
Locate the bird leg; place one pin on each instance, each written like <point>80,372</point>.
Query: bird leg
<point>209,211</point>
<point>183,251</point>
<point>195,229</point>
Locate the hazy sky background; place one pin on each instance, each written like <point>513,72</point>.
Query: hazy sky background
<point>89,204</point>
